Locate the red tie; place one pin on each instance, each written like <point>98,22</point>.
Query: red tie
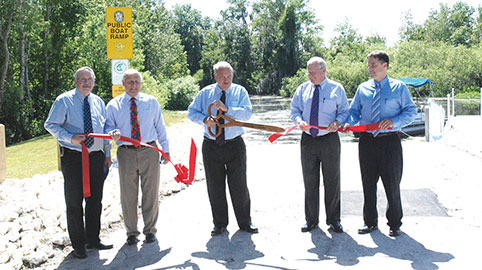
<point>135,129</point>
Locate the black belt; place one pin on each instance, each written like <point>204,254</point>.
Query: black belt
<point>381,134</point>
<point>133,146</point>
<point>319,136</point>
<point>64,149</point>
<point>226,141</point>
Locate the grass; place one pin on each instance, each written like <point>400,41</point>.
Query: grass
<point>39,155</point>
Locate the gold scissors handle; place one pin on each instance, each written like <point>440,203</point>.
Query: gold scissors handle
<point>233,123</point>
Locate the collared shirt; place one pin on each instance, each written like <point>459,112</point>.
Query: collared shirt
<point>149,116</point>
<point>396,104</point>
<point>237,101</point>
<point>333,104</point>
<point>66,118</point>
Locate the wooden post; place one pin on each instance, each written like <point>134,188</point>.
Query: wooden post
<point>3,154</point>
<point>59,166</point>
<point>427,123</point>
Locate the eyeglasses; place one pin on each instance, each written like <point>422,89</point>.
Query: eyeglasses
<point>86,80</point>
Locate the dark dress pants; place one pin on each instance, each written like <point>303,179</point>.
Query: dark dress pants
<point>72,170</point>
<point>221,161</point>
<point>381,157</point>
<point>324,150</point>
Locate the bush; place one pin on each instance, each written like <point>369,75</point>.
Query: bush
<point>290,84</point>
<point>152,87</point>
<point>180,92</point>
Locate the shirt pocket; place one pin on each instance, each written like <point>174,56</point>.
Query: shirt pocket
<point>392,105</point>
<point>328,106</point>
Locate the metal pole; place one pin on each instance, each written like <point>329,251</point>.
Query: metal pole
<point>453,102</point>
<point>480,100</point>
<point>448,107</point>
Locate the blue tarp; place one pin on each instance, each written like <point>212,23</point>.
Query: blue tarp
<point>415,82</point>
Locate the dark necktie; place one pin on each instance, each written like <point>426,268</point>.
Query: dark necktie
<point>315,105</point>
<point>376,106</point>
<point>135,129</point>
<point>220,139</point>
<point>87,123</point>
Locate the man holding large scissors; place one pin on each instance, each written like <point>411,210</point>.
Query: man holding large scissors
<point>224,155</point>
<point>320,102</point>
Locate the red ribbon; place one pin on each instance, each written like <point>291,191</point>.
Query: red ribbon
<point>184,175</point>
<point>360,128</point>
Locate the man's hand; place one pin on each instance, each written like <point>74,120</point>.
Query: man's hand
<point>164,160</point>
<point>333,126</point>
<point>302,125</point>
<point>209,122</point>
<point>78,138</point>
<point>345,126</point>
<point>220,106</point>
<point>385,124</point>
<point>108,162</point>
<point>115,134</point>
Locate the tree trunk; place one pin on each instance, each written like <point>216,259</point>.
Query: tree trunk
<point>6,53</point>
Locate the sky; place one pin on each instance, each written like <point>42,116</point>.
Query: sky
<point>368,17</point>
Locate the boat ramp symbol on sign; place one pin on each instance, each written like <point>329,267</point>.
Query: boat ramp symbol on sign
<point>119,66</point>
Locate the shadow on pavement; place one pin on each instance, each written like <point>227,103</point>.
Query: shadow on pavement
<point>232,253</point>
<point>346,251</point>
<point>128,257</point>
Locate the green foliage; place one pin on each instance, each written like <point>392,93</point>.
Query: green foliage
<point>180,92</point>
<point>153,87</point>
<point>290,84</point>
<point>472,92</point>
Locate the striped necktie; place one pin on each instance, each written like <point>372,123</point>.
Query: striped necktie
<point>89,141</point>
<point>135,129</point>
<point>315,105</point>
<point>221,139</point>
<point>376,106</point>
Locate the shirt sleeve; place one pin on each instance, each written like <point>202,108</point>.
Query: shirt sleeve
<point>55,121</point>
<point>296,107</point>
<point>354,113</point>
<point>195,110</point>
<point>408,109</point>
<point>343,108</point>
<point>160,127</point>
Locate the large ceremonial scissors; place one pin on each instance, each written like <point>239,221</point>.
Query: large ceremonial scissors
<point>233,123</point>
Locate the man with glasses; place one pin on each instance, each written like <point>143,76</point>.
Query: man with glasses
<point>73,114</point>
<point>138,115</point>
<point>320,102</point>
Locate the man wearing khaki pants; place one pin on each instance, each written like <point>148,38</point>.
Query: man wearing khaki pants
<point>137,115</point>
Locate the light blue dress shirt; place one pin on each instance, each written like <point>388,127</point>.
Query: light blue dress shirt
<point>333,104</point>
<point>237,101</point>
<point>396,104</point>
<point>149,116</point>
<point>66,118</point>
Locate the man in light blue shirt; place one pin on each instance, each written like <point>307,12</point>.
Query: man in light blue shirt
<point>388,102</point>
<point>320,102</point>
<point>66,123</point>
<point>138,115</point>
<point>224,155</point>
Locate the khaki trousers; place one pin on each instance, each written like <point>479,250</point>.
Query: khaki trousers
<point>134,164</point>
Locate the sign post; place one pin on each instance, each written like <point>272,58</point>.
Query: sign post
<point>119,43</point>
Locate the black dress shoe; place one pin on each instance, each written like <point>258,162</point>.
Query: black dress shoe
<point>307,228</point>
<point>217,230</point>
<point>79,253</point>
<point>98,246</point>
<point>250,229</point>
<point>367,229</point>
<point>395,232</point>
<point>132,240</point>
<point>336,227</point>
<point>150,237</point>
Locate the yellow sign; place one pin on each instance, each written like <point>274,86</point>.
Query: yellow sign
<point>119,32</point>
<point>117,89</point>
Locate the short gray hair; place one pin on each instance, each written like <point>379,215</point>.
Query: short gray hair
<point>131,71</point>
<point>320,61</point>
<point>88,69</point>
<point>222,64</point>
